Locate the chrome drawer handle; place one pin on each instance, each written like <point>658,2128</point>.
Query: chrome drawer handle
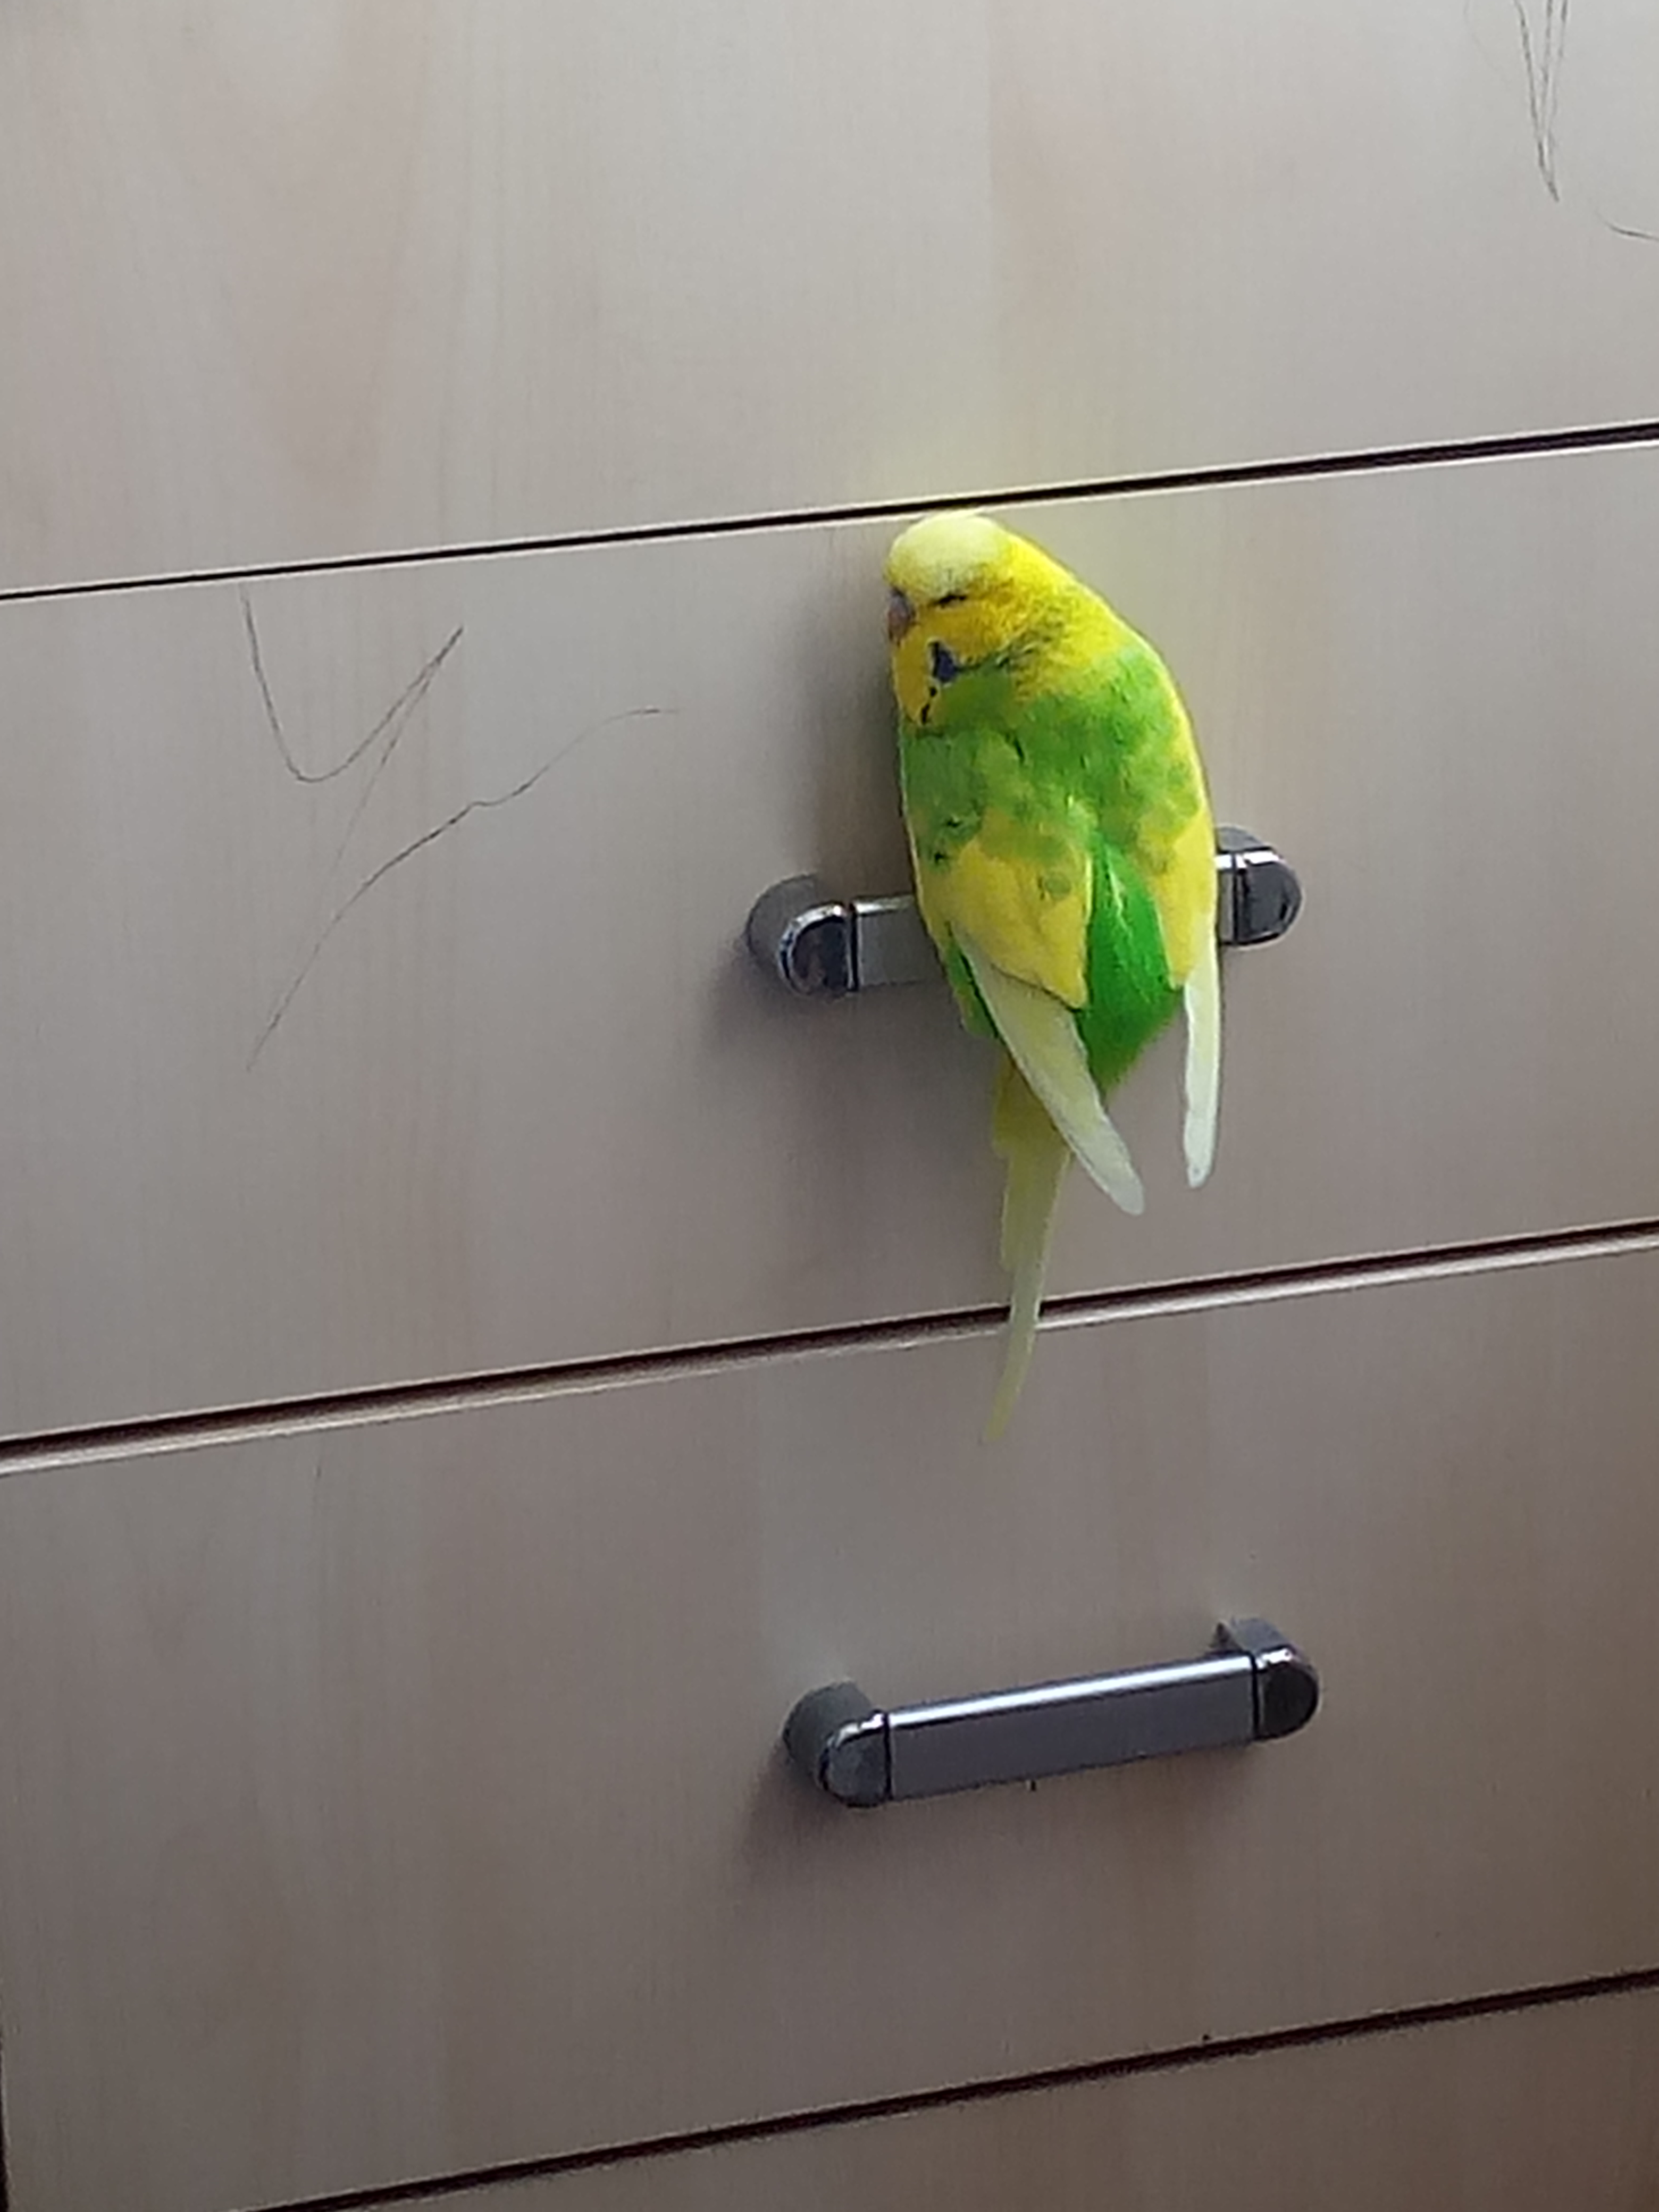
<point>824,947</point>
<point>1253,1685</point>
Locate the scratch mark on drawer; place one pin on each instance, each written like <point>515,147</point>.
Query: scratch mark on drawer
<point>386,733</point>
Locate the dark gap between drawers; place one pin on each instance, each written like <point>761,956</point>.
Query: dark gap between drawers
<point>979,2092</point>
<point>41,1452</point>
<point>1593,438</point>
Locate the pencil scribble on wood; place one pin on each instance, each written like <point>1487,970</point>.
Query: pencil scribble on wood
<point>1542,27</point>
<point>380,742</point>
<point>1543,54</point>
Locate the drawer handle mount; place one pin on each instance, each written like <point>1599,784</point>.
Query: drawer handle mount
<point>1251,1685</point>
<point>823,947</point>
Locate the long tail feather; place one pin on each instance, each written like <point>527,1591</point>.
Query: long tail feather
<point>1037,1157</point>
<point>1203,996</point>
<point>1043,1040</point>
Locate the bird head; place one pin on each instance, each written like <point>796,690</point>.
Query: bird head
<point>965,595</point>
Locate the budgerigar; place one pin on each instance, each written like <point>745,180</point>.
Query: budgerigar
<point>1065,862</point>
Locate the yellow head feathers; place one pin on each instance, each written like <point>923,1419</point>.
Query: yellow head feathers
<point>948,553</point>
<point>963,591</point>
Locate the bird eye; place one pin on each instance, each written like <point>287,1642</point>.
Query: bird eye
<point>952,599</point>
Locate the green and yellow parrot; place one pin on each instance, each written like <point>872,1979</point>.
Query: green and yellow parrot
<point>1065,862</point>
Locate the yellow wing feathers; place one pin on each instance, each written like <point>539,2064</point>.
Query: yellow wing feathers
<point>1033,922</point>
<point>1179,866</point>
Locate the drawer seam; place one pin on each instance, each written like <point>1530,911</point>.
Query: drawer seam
<point>1210,2052</point>
<point>1291,468</point>
<point>44,1451</point>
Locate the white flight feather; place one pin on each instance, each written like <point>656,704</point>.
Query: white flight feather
<point>1043,1041</point>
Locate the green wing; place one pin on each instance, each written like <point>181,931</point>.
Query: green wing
<point>1093,765</point>
<point>1131,997</point>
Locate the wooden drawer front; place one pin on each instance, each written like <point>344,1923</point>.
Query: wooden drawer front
<point>385,1802</point>
<point>1525,2112</point>
<point>454,1063</point>
<point>292,278</point>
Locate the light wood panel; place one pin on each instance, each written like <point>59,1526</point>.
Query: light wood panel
<point>289,279</point>
<point>526,1099</point>
<point>1526,2112</point>
<point>397,1801</point>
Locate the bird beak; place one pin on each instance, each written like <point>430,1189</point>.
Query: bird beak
<point>900,616</point>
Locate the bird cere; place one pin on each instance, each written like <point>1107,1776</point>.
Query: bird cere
<point>1064,855</point>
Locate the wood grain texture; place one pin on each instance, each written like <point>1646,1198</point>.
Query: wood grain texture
<point>293,279</point>
<point>1526,2112</point>
<point>525,1100</point>
<point>404,1800</point>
